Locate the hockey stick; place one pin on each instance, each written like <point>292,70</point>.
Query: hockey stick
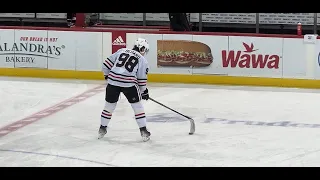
<point>192,124</point>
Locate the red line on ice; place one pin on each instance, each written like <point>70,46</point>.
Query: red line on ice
<point>50,110</point>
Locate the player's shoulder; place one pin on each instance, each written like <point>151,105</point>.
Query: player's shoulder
<point>121,50</point>
<point>143,60</point>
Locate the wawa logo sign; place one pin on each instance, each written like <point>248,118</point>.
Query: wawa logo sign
<point>249,58</point>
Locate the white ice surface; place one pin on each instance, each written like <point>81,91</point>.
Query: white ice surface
<point>69,137</point>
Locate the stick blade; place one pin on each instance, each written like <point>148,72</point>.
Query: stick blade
<point>192,127</point>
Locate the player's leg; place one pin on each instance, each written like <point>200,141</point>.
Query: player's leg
<point>134,97</point>
<point>111,99</point>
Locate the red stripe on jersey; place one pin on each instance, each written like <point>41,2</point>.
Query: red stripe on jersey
<point>140,114</point>
<point>123,78</point>
<point>109,64</point>
<point>106,114</point>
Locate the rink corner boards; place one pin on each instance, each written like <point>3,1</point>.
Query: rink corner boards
<point>167,78</point>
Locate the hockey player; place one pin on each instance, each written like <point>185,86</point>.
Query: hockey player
<point>126,71</point>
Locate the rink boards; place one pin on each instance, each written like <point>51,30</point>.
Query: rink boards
<point>234,59</point>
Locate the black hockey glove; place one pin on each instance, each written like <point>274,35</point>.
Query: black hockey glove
<point>145,94</point>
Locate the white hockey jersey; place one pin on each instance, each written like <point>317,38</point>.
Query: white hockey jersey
<point>126,68</point>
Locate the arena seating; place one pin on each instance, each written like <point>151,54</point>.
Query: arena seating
<point>277,23</point>
<point>34,19</point>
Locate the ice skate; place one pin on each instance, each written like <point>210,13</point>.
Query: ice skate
<point>102,131</point>
<point>145,134</point>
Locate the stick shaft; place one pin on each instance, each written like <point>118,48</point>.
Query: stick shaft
<point>169,108</point>
<point>192,124</point>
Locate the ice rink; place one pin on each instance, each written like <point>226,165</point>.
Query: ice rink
<point>55,123</point>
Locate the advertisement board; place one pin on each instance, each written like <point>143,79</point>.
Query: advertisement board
<point>60,50</point>
<point>210,62</point>
<point>294,59</point>
<point>253,56</point>
<point>6,56</point>
<point>214,55</point>
<point>80,51</point>
<point>173,46</point>
<point>30,49</point>
<point>106,48</point>
<point>89,51</point>
<point>119,40</point>
<point>317,60</point>
<point>222,55</point>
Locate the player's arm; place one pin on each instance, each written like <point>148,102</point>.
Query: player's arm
<point>108,64</point>
<point>142,78</point>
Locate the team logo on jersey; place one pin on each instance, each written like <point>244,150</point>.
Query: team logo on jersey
<point>119,41</point>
